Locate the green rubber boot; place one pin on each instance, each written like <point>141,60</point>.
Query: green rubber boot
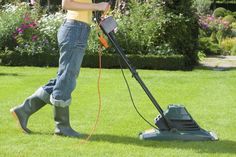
<point>31,105</point>
<point>62,120</point>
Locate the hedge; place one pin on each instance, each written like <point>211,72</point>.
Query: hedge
<point>228,6</point>
<point>173,62</point>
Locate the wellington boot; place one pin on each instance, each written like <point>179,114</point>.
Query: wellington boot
<point>62,120</point>
<point>29,106</point>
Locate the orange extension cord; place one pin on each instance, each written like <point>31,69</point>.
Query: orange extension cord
<point>99,98</point>
<point>105,44</point>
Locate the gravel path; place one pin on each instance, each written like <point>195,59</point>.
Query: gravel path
<point>219,62</point>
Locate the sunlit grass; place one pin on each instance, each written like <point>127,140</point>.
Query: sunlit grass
<point>210,97</point>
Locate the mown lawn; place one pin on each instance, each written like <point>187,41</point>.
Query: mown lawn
<point>210,96</point>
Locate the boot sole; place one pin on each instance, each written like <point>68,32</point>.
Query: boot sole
<point>18,121</point>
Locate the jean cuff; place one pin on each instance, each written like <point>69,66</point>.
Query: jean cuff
<point>59,103</point>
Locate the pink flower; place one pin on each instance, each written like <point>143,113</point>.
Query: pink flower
<point>34,37</point>
<point>210,18</point>
<point>225,22</point>
<point>20,30</point>
<point>32,24</point>
<point>24,26</point>
<point>27,18</point>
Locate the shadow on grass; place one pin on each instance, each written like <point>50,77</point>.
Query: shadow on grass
<point>9,74</point>
<point>221,146</point>
<point>40,133</point>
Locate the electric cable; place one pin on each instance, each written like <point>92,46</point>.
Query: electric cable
<point>131,97</point>
<point>99,77</point>
<point>99,98</point>
<point>103,42</point>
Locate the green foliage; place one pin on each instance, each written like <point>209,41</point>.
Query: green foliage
<point>208,47</point>
<point>233,25</point>
<point>220,12</point>
<point>228,45</point>
<point>29,33</point>
<point>11,17</point>
<point>137,31</point>
<point>3,2</point>
<point>201,55</point>
<point>233,50</point>
<point>43,37</point>
<point>215,28</point>
<point>234,14</point>
<point>151,28</point>
<point>220,29</point>
<point>155,28</point>
<point>202,6</point>
<point>229,18</point>
<point>225,1</point>
<point>14,58</point>
<point>173,62</point>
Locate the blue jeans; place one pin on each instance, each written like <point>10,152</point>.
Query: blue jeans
<point>72,40</point>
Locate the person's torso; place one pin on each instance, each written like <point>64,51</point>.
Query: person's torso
<point>81,15</point>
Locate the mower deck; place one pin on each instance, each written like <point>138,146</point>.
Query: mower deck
<point>199,135</point>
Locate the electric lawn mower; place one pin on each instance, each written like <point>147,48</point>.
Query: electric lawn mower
<point>173,124</point>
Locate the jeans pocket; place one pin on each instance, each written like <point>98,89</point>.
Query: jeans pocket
<point>83,36</point>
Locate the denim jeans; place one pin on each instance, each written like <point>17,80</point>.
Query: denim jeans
<point>72,40</point>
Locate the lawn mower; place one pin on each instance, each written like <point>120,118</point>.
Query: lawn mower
<point>173,124</point>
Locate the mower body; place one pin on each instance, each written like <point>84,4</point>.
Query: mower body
<point>183,127</point>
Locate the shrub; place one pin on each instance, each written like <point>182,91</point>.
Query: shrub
<point>173,62</point>
<point>229,18</point>
<point>137,30</point>
<point>3,2</point>
<point>14,58</point>
<point>11,18</point>
<point>217,28</point>
<point>234,14</point>
<point>170,28</point>
<point>233,50</point>
<point>202,6</point>
<point>208,47</point>
<point>220,12</point>
<point>149,28</point>
<point>228,45</point>
<point>42,38</point>
<point>233,25</point>
<point>26,34</point>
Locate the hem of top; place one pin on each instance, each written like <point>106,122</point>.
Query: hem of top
<point>80,21</point>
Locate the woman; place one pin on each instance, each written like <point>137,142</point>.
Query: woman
<point>72,41</point>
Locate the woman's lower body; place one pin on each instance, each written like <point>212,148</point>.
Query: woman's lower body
<point>72,41</point>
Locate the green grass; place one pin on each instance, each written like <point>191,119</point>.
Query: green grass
<point>210,97</point>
